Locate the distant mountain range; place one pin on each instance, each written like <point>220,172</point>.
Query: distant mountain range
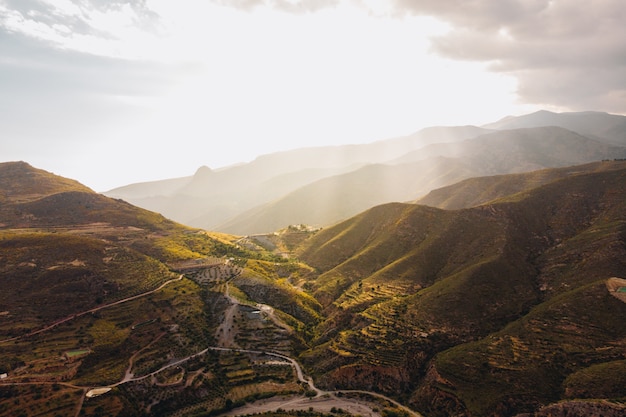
<point>321,186</point>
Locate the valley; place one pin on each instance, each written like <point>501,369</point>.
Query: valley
<point>175,372</point>
<point>499,294</point>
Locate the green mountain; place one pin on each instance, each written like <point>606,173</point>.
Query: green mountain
<point>480,190</point>
<point>93,296</point>
<point>493,310</point>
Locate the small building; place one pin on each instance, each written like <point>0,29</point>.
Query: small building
<point>3,376</point>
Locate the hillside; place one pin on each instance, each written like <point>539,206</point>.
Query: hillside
<point>462,311</point>
<point>270,192</point>
<point>498,309</point>
<point>336,198</point>
<point>211,197</point>
<point>99,293</point>
<point>20,182</point>
<point>480,190</point>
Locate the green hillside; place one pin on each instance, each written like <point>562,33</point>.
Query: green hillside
<point>99,293</point>
<point>21,182</point>
<point>511,306</point>
<point>416,297</point>
<point>480,190</point>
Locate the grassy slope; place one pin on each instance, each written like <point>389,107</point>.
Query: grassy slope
<point>19,180</point>
<point>64,250</point>
<point>481,190</point>
<point>486,267</point>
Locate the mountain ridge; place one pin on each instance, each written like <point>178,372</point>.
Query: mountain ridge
<point>333,199</point>
<point>237,199</point>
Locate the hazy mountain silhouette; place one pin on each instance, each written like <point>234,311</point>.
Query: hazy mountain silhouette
<point>211,197</point>
<point>330,200</point>
<point>284,188</point>
<point>604,126</point>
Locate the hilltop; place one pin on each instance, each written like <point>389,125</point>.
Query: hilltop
<point>20,182</point>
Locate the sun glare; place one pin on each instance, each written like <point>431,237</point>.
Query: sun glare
<point>340,75</point>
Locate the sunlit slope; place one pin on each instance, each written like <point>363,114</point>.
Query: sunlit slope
<point>211,197</point>
<point>333,199</point>
<point>568,347</point>
<point>38,201</point>
<point>66,249</point>
<point>404,282</point>
<point>50,276</point>
<point>480,190</point>
<point>92,295</point>
<point>20,182</point>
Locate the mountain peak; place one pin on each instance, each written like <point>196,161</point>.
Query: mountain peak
<point>203,171</point>
<point>21,180</point>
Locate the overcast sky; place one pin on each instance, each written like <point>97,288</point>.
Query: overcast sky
<point>111,92</point>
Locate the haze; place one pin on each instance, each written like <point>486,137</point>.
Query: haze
<point>122,91</point>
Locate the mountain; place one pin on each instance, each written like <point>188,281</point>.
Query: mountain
<point>59,238</point>
<point>279,189</point>
<point>339,197</point>
<point>491,310</point>
<point>332,199</point>
<point>93,295</point>
<point>212,197</point>
<point>20,181</point>
<point>512,307</point>
<point>520,150</point>
<point>480,190</point>
<point>603,126</point>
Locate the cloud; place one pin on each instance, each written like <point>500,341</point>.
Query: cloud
<point>290,6</point>
<point>56,99</point>
<point>100,27</point>
<point>564,53</point>
<point>567,54</point>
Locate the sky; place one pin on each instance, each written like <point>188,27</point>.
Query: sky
<point>112,92</point>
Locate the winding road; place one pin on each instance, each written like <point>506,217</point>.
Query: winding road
<point>323,401</point>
